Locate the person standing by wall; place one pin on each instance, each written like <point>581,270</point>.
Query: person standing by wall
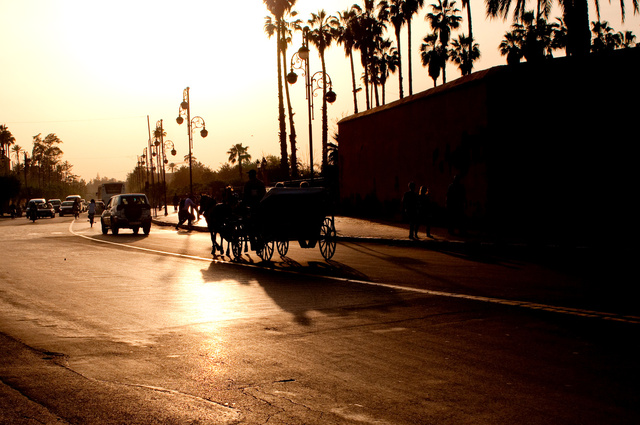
<point>424,209</point>
<point>410,210</point>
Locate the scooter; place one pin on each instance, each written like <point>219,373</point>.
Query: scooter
<point>33,214</point>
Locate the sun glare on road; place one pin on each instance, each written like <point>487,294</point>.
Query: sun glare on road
<point>207,302</point>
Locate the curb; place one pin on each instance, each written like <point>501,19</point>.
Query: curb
<point>473,246</point>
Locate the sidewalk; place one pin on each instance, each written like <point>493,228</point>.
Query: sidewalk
<point>365,230</point>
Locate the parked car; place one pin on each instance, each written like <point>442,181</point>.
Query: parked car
<point>66,208</point>
<point>56,204</point>
<point>45,209</point>
<point>127,211</point>
<point>34,202</point>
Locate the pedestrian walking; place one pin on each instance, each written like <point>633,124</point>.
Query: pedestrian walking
<point>187,212</point>
<point>91,211</point>
<point>410,209</point>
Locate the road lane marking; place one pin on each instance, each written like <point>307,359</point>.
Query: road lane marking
<point>514,303</point>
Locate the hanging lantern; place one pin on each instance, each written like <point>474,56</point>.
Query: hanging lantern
<point>330,96</point>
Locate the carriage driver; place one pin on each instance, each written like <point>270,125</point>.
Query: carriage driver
<point>254,190</point>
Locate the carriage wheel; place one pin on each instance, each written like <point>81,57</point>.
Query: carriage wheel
<point>266,252</point>
<point>327,239</point>
<point>237,242</point>
<point>283,247</point>
<point>236,247</point>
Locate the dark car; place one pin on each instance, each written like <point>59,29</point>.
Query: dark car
<point>127,211</point>
<point>45,209</point>
<point>56,204</point>
<point>33,203</point>
<point>99,207</point>
<point>66,208</point>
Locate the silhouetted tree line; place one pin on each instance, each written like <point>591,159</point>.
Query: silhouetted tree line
<point>364,29</point>
<point>41,173</point>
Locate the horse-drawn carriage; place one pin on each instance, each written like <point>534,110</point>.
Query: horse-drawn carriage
<point>283,215</point>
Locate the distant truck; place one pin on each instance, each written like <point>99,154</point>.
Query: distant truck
<point>107,190</point>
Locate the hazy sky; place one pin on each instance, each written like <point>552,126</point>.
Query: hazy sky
<point>91,72</point>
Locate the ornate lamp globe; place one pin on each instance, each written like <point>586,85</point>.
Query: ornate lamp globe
<point>303,52</point>
<point>179,120</point>
<point>292,77</point>
<point>330,96</point>
<point>184,104</point>
<point>204,132</point>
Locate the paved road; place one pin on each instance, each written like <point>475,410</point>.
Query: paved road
<point>157,331</point>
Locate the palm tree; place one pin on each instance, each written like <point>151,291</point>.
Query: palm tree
<point>286,28</point>
<point>238,153</point>
<point>462,56</point>
<point>383,61</point>
<point>466,4</point>
<point>627,39</point>
<point>388,63</point>
<point>347,37</point>
<point>559,36</point>
<point>172,167</point>
<point>17,150</point>
<point>532,39</point>
<point>6,140</point>
<point>433,56</point>
<point>278,8</point>
<point>322,32</point>
<point>393,11</point>
<point>511,47</point>
<point>443,19</point>
<point>604,39</point>
<point>575,16</point>
<point>367,29</point>
<point>411,7</point>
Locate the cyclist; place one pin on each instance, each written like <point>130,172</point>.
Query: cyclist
<point>91,210</point>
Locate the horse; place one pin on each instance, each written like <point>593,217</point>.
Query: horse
<point>220,217</point>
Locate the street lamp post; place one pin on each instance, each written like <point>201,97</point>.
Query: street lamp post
<point>145,159</point>
<point>164,146</point>
<point>197,122</point>
<point>319,80</point>
<point>140,171</point>
<point>27,162</point>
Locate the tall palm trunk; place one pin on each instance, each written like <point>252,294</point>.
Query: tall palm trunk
<point>292,128</point>
<point>353,83</point>
<point>325,125</point>
<point>284,160</point>
<point>469,25</point>
<point>409,58</point>
<point>576,18</point>
<point>397,31</point>
<point>365,66</point>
